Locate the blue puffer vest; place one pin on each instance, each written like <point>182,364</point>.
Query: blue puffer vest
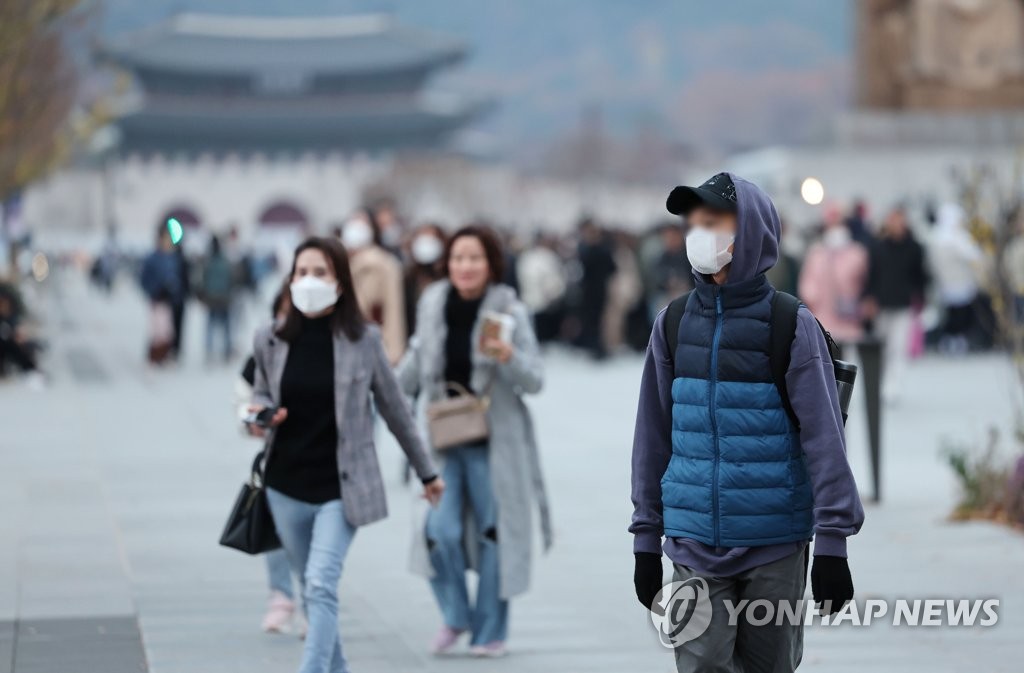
<point>737,477</point>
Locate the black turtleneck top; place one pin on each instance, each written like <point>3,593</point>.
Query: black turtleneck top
<point>303,460</point>
<point>460,316</point>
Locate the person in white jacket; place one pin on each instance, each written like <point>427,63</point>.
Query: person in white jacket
<point>957,264</point>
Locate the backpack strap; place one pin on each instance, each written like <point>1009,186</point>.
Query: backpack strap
<point>674,316</point>
<point>834,351</point>
<point>783,330</point>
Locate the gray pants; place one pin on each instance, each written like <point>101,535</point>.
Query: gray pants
<point>744,647</point>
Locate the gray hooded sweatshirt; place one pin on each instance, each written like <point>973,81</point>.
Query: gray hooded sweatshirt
<point>838,512</point>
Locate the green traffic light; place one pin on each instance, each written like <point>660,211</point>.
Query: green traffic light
<point>175,229</point>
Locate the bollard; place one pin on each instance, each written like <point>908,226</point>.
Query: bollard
<point>870,351</point>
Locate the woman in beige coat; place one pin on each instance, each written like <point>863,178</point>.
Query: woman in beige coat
<point>377,275</point>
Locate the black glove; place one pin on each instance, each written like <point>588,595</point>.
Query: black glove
<point>647,579</point>
<point>831,583</point>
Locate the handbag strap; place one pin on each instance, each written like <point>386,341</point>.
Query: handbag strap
<point>259,465</point>
<point>465,392</point>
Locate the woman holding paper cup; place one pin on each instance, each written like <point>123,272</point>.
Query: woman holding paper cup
<point>473,357</point>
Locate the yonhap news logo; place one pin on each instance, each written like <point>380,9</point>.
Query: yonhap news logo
<point>682,612</point>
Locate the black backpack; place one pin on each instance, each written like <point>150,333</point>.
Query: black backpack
<point>783,329</point>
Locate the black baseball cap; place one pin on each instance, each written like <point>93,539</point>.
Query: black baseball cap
<point>717,192</point>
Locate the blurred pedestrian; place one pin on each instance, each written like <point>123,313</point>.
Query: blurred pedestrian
<point>425,250</point>
<point>163,281</point>
<point>512,244</point>
<point>625,289</point>
<point>318,369</point>
<point>542,285</point>
<point>16,346</point>
<point>280,614</point>
<point>897,278</point>
<point>726,480</point>
<point>833,279</point>
<point>484,518</point>
<point>377,275</point>
<point>857,223</point>
<point>389,224</point>
<point>217,290</point>
<point>244,272</point>
<point>180,303</point>
<point>1013,265</point>
<point>785,275</point>
<point>598,265</point>
<point>957,262</point>
<point>104,267</point>
<point>673,274</point>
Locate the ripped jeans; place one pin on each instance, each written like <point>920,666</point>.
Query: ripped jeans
<point>316,538</point>
<point>467,473</point>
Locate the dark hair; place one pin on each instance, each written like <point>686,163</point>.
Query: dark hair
<point>282,300</point>
<point>371,218</point>
<point>347,317</point>
<point>214,246</point>
<point>492,249</point>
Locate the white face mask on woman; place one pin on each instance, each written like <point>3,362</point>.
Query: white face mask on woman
<point>312,295</point>
<point>356,234</point>
<point>426,249</point>
<point>708,251</point>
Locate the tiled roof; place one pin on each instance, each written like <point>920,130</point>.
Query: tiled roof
<point>211,44</point>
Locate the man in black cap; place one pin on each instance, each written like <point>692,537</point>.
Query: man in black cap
<point>739,454</point>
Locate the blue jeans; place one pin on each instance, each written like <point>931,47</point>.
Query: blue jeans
<point>279,573</point>
<point>218,319</point>
<point>467,473</point>
<point>316,539</point>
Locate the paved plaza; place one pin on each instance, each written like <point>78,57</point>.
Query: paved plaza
<point>116,480</point>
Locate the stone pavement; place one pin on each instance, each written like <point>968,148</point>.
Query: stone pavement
<point>116,480</point>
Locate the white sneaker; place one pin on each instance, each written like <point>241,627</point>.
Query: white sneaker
<point>492,650</point>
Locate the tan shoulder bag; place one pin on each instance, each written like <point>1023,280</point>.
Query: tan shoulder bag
<point>455,421</point>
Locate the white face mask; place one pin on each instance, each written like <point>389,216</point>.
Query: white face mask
<point>426,249</point>
<point>708,251</point>
<point>312,295</point>
<point>356,234</point>
<point>836,237</point>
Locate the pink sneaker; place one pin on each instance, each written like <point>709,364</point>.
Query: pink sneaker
<point>445,639</point>
<point>278,618</point>
<point>493,649</point>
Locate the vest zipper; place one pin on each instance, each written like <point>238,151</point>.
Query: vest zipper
<point>714,420</point>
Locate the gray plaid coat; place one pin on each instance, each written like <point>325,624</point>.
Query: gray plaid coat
<point>360,368</point>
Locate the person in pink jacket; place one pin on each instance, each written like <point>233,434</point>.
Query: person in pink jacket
<point>832,279</point>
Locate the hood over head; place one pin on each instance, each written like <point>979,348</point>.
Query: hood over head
<point>758,232</point>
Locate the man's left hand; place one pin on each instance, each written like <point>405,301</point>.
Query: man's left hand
<point>831,583</point>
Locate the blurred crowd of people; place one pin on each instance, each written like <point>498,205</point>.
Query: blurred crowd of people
<point>916,280</point>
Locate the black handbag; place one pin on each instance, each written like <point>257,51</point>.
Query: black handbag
<point>250,526</point>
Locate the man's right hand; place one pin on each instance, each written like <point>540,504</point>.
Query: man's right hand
<point>647,577</point>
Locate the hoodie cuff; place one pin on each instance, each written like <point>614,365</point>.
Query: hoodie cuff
<point>826,544</point>
<point>647,542</point>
